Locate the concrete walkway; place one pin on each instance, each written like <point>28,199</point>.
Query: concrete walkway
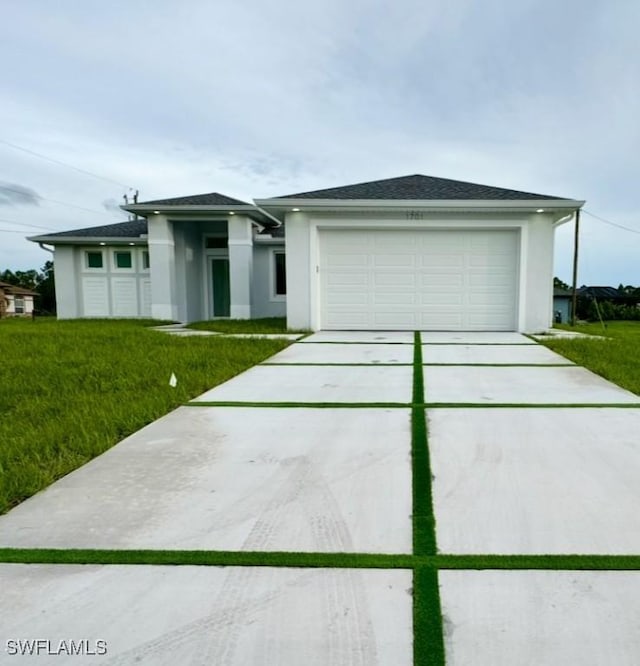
<point>517,468</point>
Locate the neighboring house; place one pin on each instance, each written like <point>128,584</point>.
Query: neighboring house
<point>413,252</point>
<point>610,294</point>
<point>561,305</point>
<point>15,301</point>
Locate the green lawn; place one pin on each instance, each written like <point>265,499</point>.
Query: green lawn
<point>615,357</point>
<point>265,325</point>
<point>69,390</point>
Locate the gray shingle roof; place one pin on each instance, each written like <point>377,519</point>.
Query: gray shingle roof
<point>417,187</point>
<point>600,292</point>
<point>129,229</point>
<point>19,291</point>
<point>211,199</point>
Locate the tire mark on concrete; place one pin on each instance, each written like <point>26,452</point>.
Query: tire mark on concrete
<point>190,635</point>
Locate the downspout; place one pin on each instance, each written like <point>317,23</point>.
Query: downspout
<point>574,291</point>
<point>46,249</point>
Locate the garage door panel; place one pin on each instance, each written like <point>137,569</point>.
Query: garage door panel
<point>494,300</point>
<point>399,260</point>
<point>349,298</point>
<point>391,319</point>
<point>430,279</point>
<point>485,280</point>
<point>440,321</point>
<point>491,262</point>
<point>347,279</point>
<point>393,298</point>
<point>389,240</point>
<point>446,261</point>
<point>454,300</point>
<point>449,280</point>
<point>394,279</point>
<point>348,259</point>
<point>354,315</point>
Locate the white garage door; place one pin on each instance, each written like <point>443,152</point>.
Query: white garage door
<point>431,280</point>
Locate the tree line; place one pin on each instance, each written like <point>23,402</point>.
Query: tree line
<point>40,281</point>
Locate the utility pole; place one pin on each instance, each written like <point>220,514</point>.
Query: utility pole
<point>574,295</point>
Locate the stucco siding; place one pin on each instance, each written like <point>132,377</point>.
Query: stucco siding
<point>264,302</point>
<point>537,267</point>
<point>66,279</point>
<point>104,291</point>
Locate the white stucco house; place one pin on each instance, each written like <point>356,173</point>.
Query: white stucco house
<point>414,252</point>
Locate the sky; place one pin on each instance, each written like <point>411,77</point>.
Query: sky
<point>255,99</point>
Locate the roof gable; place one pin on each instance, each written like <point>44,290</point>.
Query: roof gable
<point>128,229</point>
<point>418,187</point>
<point>210,199</point>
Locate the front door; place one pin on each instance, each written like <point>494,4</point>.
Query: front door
<point>220,293</point>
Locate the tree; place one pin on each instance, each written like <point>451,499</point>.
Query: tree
<point>629,289</point>
<point>46,288</point>
<point>559,284</point>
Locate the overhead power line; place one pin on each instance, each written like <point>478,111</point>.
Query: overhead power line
<point>613,224</point>
<point>55,201</point>
<point>65,164</point>
<point>25,224</point>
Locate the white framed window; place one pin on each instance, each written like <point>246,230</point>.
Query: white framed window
<point>18,304</point>
<point>278,275</point>
<point>123,260</point>
<point>94,260</point>
<point>145,261</point>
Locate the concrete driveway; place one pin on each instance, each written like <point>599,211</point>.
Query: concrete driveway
<point>310,452</point>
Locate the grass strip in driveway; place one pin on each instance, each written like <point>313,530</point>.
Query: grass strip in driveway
<point>320,560</point>
<point>531,405</point>
<point>288,405</point>
<point>353,342</point>
<point>207,558</point>
<point>346,365</point>
<point>479,344</point>
<point>424,524</point>
<point>428,639</point>
<point>428,643</point>
<point>500,365</point>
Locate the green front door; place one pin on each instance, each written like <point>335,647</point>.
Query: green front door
<point>220,287</point>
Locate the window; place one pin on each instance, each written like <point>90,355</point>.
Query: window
<point>280,274</point>
<point>18,305</point>
<point>123,259</point>
<point>145,260</point>
<point>216,242</point>
<point>94,259</point>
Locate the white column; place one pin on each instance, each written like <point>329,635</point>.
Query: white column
<point>240,265</point>
<point>162,267</point>
<point>66,278</point>
<point>298,266</point>
<point>538,305</point>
